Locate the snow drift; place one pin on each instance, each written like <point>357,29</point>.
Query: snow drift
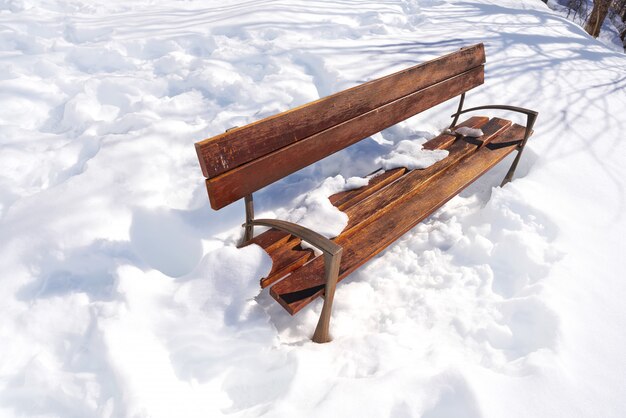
<point>123,293</point>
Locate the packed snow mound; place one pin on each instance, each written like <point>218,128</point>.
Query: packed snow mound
<point>314,211</point>
<point>410,154</point>
<point>471,132</point>
<point>124,295</point>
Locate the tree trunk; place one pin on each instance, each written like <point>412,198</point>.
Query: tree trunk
<point>620,9</point>
<point>597,16</point>
<point>619,6</point>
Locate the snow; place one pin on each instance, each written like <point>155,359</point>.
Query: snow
<point>410,154</point>
<point>472,132</point>
<point>609,33</point>
<point>314,211</point>
<point>123,293</point>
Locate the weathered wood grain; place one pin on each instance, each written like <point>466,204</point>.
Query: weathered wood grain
<point>283,248</point>
<point>345,199</point>
<point>240,145</point>
<point>248,178</point>
<point>286,259</point>
<point>270,239</point>
<point>413,182</point>
<point>307,283</point>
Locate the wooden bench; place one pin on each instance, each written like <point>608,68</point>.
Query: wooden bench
<point>244,159</point>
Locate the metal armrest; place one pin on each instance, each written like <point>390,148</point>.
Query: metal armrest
<point>530,121</point>
<point>317,240</point>
<point>332,260</point>
<point>502,107</point>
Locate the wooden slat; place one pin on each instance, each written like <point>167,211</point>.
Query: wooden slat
<point>411,183</point>
<point>444,140</point>
<point>248,178</point>
<point>284,250</point>
<point>241,145</point>
<point>282,247</point>
<point>343,200</point>
<point>286,259</point>
<point>271,239</point>
<point>307,283</point>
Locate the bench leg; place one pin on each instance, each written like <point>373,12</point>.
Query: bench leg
<point>532,117</point>
<point>331,267</point>
<point>511,172</point>
<point>458,112</point>
<point>248,233</point>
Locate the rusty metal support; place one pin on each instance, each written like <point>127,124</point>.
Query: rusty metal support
<point>249,228</point>
<point>529,129</point>
<point>332,260</point>
<point>531,117</point>
<point>248,233</point>
<point>458,111</point>
<point>331,269</point>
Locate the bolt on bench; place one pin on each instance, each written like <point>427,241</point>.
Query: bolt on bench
<point>243,160</point>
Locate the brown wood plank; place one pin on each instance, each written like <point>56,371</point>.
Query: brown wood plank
<point>241,145</point>
<point>287,256</point>
<point>411,183</point>
<point>343,200</point>
<point>307,283</point>
<point>248,178</point>
<point>286,259</point>
<point>444,140</point>
<point>284,249</point>
<point>270,239</point>
<point>361,209</point>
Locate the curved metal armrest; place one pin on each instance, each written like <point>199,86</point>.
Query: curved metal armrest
<point>530,121</point>
<point>501,107</point>
<point>304,233</point>
<point>332,260</point>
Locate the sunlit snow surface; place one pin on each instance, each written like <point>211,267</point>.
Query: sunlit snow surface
<point>124,295</point>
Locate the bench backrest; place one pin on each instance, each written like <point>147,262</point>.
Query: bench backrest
<point>243,160</point>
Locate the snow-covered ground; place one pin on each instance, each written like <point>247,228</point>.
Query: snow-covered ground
<point>609,33</point>
<point>123,294</point>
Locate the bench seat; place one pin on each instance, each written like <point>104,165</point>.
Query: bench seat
<point>385,209</point>
<point>243,160</point>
